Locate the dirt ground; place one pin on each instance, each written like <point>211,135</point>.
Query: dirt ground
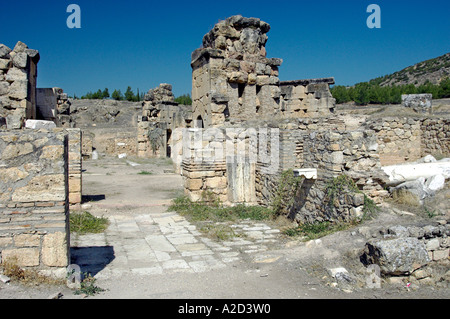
<point>291,269</point>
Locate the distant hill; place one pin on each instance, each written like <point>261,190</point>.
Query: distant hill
<point>431,76</point>
<point>433,71</point>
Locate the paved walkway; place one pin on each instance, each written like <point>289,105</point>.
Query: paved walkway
<point>159,243</point>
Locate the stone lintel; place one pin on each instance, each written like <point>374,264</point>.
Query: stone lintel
<point>329,81</point>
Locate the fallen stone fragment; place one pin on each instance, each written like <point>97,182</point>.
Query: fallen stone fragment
<point>4,279</point>
<point>400,256</point>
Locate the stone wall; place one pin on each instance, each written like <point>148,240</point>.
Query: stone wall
<point>217,161</point>
<point>18,73</point>
<point>435,137</point>
<point>399,139</point>
<point>421,103</point>
<point>33,201</point>
<point>409,139</point>
<point>75,166</point>
<point>233,80</point>
<point>161,117</point>
<point>332,152</point>
<point>307,98</point>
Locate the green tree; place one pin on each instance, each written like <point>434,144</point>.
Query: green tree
<point>445,88</point>
<point>105,93</point>
<point>117,95</point>
<point>341,94</point>
<point>184,99</point>
<point>129,95</point>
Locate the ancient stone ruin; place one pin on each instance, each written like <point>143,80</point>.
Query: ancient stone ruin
<point>40,166</point>
<point>245,128</point>
<point>233,80</point>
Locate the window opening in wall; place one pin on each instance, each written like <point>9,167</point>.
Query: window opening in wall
<point>241,89</point>
<point>199,122</point>
<point>168,142</point>
<point>226,113</point>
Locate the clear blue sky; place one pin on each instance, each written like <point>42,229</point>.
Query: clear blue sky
<point>144,43</point>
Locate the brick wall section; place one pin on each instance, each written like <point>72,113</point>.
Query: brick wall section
<point>75,166</point>
<point>33,199</point>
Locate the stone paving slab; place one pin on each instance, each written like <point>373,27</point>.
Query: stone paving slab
<point>154,244</point>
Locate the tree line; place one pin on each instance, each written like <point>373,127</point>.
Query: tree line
<point>117,95</point>
<point>129,95</point>
<point>372,93</point>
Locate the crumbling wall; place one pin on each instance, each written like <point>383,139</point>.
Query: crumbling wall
<point>18,73</point>
<point>325,145</point>
<point>161,117</point>
<point>307,98</point>
<point>435,137</point>
<point>219,161</point>
<point>233,80</point>
<point>399,139</point>
<point>33,200</point>
<point>403,140</point>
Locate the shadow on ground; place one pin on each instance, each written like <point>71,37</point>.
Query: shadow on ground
<point>92,260</point>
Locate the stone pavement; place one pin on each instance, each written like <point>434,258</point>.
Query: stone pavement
<point>159,243</point>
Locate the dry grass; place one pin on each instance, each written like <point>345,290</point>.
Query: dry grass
<point>27,276</point>
<point>406,198</point>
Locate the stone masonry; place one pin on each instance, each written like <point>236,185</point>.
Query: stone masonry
<point>18,72</point>
<point>33,201</point>
<point>233,80</point>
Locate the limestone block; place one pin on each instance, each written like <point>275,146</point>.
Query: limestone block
<point>27,240</point>
<point>418,102</point>
<point>5,64</point>
<point>5,242</point>
<point>441,254</point>
<point>216,182</point>
<point>24,257</point>
<point>15,74</point>
<point>18,90</point>
<point>396,256</point>
<point>16,150</point>
<point>20,60</point>
<point>54,250</point>
<point>4,88</point>
<point>4,51</point>
<point>52,152</point>
<point>194,184</point>
<point>42,189</point>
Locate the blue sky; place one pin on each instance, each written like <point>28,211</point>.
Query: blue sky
<point>144,43</point>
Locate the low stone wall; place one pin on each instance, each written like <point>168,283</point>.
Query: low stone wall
<point>33,200</point>
<point>423,249</point>
<point>435,137</point>
<point>399,139</point>
<point>333,154</point>
<point>408,139</point>
<point>110,141</point>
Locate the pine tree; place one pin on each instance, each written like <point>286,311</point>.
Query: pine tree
<point>129,95</point>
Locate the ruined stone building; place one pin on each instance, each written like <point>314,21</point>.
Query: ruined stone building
<point>40,167</point>
<point>243,130</point>
<point>255,127</point>
<point>233,80</point>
